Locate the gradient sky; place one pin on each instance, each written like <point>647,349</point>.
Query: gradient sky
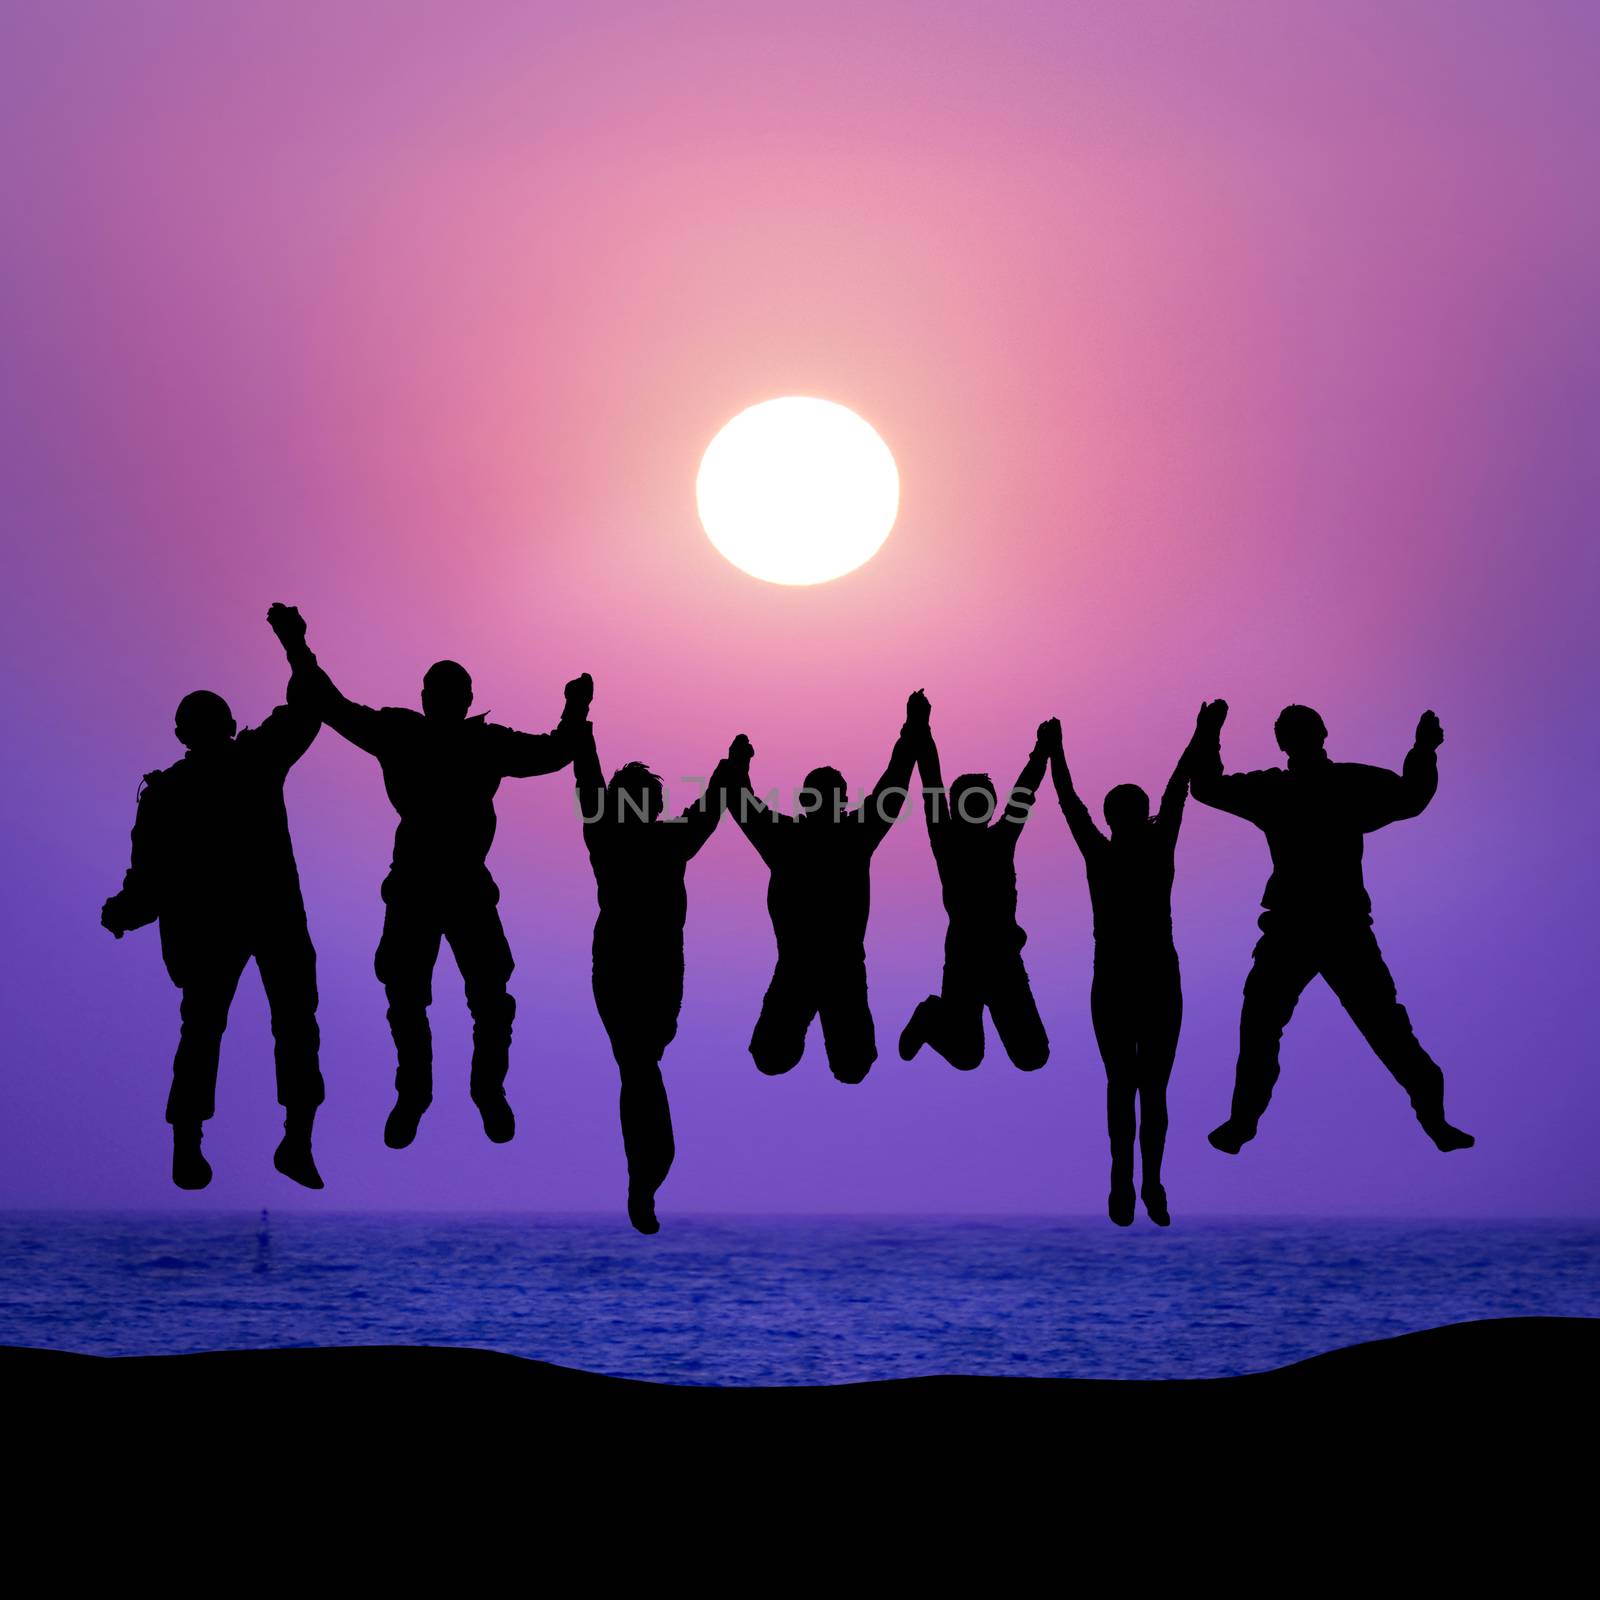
<point>1225,349</point>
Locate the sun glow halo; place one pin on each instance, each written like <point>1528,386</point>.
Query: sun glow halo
<point>797,490</point>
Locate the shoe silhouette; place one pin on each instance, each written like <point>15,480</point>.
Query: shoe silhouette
<point>293,1159</point>
<point>1231,1137</point>
<point>974,844</point>
<point>441,769</point>
<point>642,1209</point>
<point>499,1124</point>
<point>915,1033</point>
<point>213,864</point>
<point>818,896</point>
<point>1447,1137</point>
<point>1136,998</point>
<point>401,1127</point>
<point>1317,916</point>
<point>190,1169</point>
<point>639,858</point>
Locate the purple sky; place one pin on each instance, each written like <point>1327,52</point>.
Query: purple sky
<point>1237,349</point>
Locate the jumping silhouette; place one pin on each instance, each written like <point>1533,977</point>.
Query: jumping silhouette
<point>1317,917</point>
<point>818,897</point>
<point>214,865</point>
<point>1136,997</point>
<point>441,769</point>
<point>976,858</point>
<point>639,859</point>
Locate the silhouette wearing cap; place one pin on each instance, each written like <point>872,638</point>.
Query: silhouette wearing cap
<point>214,866</point>
<point>441,769</point>
<point>1317,917</point>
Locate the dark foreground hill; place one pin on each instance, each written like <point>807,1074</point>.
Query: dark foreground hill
<point>1468,1449</point>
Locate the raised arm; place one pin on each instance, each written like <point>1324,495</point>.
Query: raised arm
<point>699,821</point>
<point>758,822</point>
<point>1238,792</point>
<point>528,755</point>
<point>1018,804</point>
<point>1393,796</point>
<point>1419,777</point>
<point>1079,823</point>
<point>1169,814</point>
<point>935,797</point>
<point>311,690</point>
<point>882,806</point>
<point>587,777</point>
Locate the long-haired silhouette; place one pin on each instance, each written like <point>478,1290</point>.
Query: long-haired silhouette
<point>1317,916</point>
<point>1136,998</point>
<point>639,857</point>
<point>441,769</point>
<point>213,864</point>
<point>975,851</point>
<point>818,897</point>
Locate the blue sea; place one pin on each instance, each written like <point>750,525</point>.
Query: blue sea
<point>791,1300</point>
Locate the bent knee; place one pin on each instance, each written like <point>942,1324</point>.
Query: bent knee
<point>1030,1057</point>
<point>851,1068</point>
<point>773,1060</point>
<point>965,1056</point>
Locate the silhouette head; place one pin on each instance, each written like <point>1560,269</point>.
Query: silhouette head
<point>824,794</point>
<point>973,799</point>
<point>1127,809</point>
<point>635,794</point>
<point>1299,732</point>
<point>446,691</point>
<point>203,721</point>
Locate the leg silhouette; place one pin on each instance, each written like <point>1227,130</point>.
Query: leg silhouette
<point>1116,1034</point>
<point>210,980</point>
<point>1357,973</point>
<point>787,1008</point>
<point>1016,1018</point>
<point>1282,967</point>
<point>478,942</point>
<point>288,966</point>
<point>646,1137</point>
<point>404,964</point>
<point>638,990</point>
<point>1158,1045</point>
<point>847,1031</point>
<point>950,1023</point>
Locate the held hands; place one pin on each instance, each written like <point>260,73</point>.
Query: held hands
<point>1213,713</point>
<point>917,712</point>
<point>741,752</point>
<point>287,623</point>
<point>1430,735</point>
<point>1048,739</point>
<point>579,692</point>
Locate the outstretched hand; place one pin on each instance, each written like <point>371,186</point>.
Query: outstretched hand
<point>287,623</point>
<point>1430,733</point>
<point>579,692</point>
<point>918,711</point>
<point>741,752</point>
<point>1213,713</point>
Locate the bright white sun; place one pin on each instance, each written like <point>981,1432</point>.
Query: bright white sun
<point>797,490</point>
